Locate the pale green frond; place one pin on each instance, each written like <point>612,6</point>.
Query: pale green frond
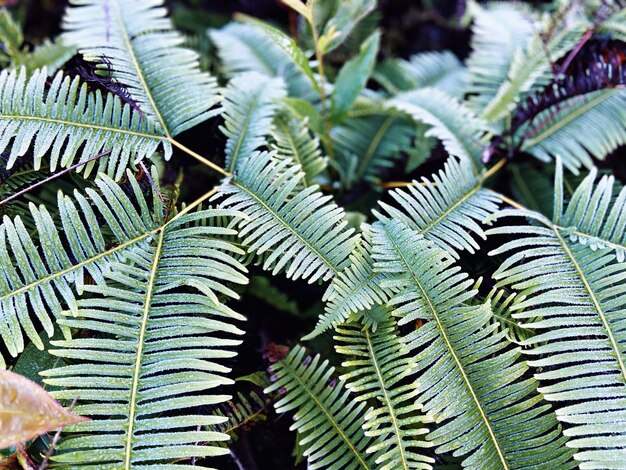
<point>250,103</point>
<point>65,124</point>
<point>49,54</point>
<point>575,303</point>
<point>292,140</point>
<point>378,365</point>
<point>486,410</point>
<point>357,288</point>
<point>327,418</point>
<point>155,354</point>
<point>448,210</point>
<point>305,232</point>
<point>503,307</point>
<point>500,30</point>
<point>365,146</point>
<point>146,56</point>
<point>241,412</point>
<point>596,218</point>
<point>11,35</point>
<point>531,66</point>
<point>40,275</point>
<point>582,127</point>
<point>247,48</point>
<point>441,70</point>
<point>459,129</point>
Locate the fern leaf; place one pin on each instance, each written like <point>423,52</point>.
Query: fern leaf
<point>304,231</point>
<point>575,304</point>
<point>488,412</point>
<point>42,278</point>
<point>460,130</point>
<point>71,125</point>
<point>357,288</point>
<point>249,108</point>
<point>146,56</point>
<point>367,145</point>
<point>596,218</point>
<point>378,364</point>
<point>153,351</point>
<point>448,210</point>
<point>585,126</point>
<point>247,48</point>
<point>292,140</point>
<point>441,70</point>
<point>328,419</point>
<point>499,32</point>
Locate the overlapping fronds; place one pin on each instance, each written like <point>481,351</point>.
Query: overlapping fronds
<point>575,303</point>
<point>154,347</point>
<point>357,288</point>
<point>365,146</point>
<point>247,48</point>
<point>305,233</point>
<point>378,365</point>
<point>460,130</point>
<point>144,52</point>
<point>65,124</point>
<point>582,127</point>
<point>499,32</point>
<point>440,70</point>
<point>448,210</point>
<point>292,140</point>
<point>327,417</point>
<point>249,108</point>
<point>507,425</point>
<point>40,275</point>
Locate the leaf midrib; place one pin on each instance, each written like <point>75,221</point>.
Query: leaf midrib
<point>458,363</point>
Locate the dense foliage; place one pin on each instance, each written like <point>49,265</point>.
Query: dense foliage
<point>209,222</point>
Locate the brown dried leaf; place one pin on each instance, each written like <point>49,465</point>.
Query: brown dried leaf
<point>26,410</point>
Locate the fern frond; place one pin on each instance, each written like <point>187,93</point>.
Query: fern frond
<point>597,219</point>
<point>292,140</point>
<point>146,56</point>
<point>575,303</point>
<point>241,413</point>
<point>460,130</point>
<point>41,278</point>
<point>247,48</point>
<point>488,412</point>
<point>448,210</point>
<point>154,350</point>
<point>585,126</point>
<point>441,70</point>
<point>67,125</point>
<point>499,32</point>
<point>328,419</point>
<point>378,365</point>
<point>249,108</point>
<point>305,232</point>
<point>367,145</point>
<point>357,288</point>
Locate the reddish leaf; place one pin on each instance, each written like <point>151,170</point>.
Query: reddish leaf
<point>26,410</point>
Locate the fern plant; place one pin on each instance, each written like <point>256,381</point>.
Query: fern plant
<point>421,294</point>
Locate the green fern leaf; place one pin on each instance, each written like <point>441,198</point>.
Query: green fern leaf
<point>460,130</point>
<point>357,288</point>
<point>378,364</point>
<point>153,351</point>
<point>441,70</point>
<point>488,412</point>
<point>304,231</point>
<point>292,140</point>
<point>586,126</point>
<point>146,56</point>
<point>328,419</point>
<point>67,125</point>
<point>448,210</point>
<point>574,302</point>
<point>249,108</point>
